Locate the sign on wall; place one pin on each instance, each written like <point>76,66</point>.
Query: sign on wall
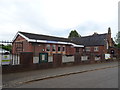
<point>84,58</point>
<point>43,57</point>
<point>35,59</point>
<point>5,59</point>
<point>107,56</point>
<point>97,58</point>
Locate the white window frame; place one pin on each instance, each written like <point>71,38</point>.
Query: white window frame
<point>58,47</point>
<point>54,47</point>
<point>47,47</point>
<point>96,49</point>
<point>87,49</point>
<point>64,49</point>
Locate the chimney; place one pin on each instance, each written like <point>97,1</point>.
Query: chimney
<point>95,33</point>
<point>109,30</point>
<point>109,37</point>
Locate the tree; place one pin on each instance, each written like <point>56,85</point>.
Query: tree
<point>73,33</point>
<point>7,47</point>
<point>117,39</point>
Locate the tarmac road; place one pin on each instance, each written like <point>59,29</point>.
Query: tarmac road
<point>104,78</point>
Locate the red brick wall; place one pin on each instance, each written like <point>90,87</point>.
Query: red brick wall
<point>109,39</point>
<point>70,50</point>
<point>101,49</point>
<point>14,46</point>
<point>19,38</point>
<point>39,47</point>
<point>81,50</point>
<point>27,47</point>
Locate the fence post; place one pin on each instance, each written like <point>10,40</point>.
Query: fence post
<point>103,58</point>
<point>77,58</point>
<point>92,58</point>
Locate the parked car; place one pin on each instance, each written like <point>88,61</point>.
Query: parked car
<point>3,51</point>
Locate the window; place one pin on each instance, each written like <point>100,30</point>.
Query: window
<point>48,48</point>
<point>63,48</point>
<point>95,48</point>
<point>59,48</point>
<point>53,47</point>
<point>87,48</point>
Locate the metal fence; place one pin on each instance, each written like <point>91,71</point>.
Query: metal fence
<point>10,59</point>
<point>14,59</point>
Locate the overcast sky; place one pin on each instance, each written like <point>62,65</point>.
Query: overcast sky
<point>57,17</point>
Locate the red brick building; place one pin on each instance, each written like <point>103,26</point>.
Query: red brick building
<point>36,43</point>
<point>97,44</point>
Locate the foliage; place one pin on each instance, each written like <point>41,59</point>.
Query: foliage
<point>7,47</point>
<point>0,45</point>
<point>117,45</point>
<point>73,33</point>
<point>117,40</point>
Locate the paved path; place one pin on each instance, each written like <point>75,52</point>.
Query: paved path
<point>16,79</point>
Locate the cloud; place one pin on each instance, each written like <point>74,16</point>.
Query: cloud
<point>57,17</point>
<point>20,16</point>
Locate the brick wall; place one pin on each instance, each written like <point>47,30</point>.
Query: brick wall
<point>101,49</point>
<point>70,50</point>
<point>22,68</point>
<point>16,43</point>
<point>40,47</point>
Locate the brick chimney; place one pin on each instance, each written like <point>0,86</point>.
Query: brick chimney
<point>95,33</point>
<point>109,30</point>
<point>109,37</point>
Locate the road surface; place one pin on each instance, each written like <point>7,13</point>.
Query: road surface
<point>103,78</point>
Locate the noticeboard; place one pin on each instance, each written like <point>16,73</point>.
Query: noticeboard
<point>107,56</point>
<point>43,57</point>
<point>5,59</point>
<point>84,58</point>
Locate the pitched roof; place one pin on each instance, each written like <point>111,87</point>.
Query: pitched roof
<point>44,37</point>
<point>31,37</point>
<point>93,40</point>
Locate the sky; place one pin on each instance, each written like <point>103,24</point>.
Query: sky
<point>57,17</point>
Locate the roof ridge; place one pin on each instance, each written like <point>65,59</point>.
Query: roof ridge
<point>96,39</point>
<point>43,35</point>
<point>93,35</point>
